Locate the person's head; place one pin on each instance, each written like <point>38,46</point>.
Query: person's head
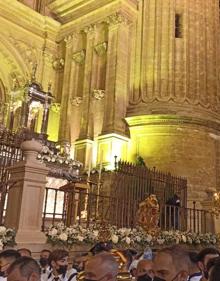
<point>204,256</point>
<point>193,267</point>
<point>107,268</point>
<point>7,257</point>
<point>79,262</point>
<point>24,269</point>
<point>101,247</point>
<point>44,256</point>
<point>211,264</point>
<point>24,252</point>
<point>215,272</point>
<point>58,261</point>
<point>144,270</point>
<point>172,264</point>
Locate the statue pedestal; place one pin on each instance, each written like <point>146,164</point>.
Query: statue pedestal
<point>26,196</point>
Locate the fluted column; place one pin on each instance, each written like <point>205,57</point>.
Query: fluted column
<point>85,128</point>
<point>84,145</point>
<point>116,74</point>
<point>64,132</point>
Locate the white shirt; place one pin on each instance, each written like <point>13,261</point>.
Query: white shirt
<point>195,277</point>
<point>44,273</point>
<point>50,276</point>
<point>3,278</point>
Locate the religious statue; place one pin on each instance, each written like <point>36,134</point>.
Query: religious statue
<point>216,204</point>
<point>148,214</point>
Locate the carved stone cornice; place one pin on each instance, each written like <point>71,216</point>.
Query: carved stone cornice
<point>98,94</point>
<point>79,57</point>
<point>28,19</point>
<point>143,120</point>
<point>76,101</point>
<point>101,49</point>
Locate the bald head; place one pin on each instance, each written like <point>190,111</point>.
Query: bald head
<point>101,266</point>
<point>145,267</point>
<point>172,262</point>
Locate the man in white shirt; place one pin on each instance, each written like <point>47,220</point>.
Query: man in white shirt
<point>44,263</point>
<point>194,271</point>
<point>58,261</point>
<point>7,257</point>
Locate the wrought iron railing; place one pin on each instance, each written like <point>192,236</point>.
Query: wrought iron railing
<point>78,206</point>
<point>133,182</point>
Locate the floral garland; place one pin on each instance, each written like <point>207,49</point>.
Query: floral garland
<point>136,237</point>
<point>7,237</point>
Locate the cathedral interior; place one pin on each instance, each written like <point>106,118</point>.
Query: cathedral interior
<point>125,78</point>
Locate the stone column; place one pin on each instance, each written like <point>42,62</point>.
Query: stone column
<point>116,74</point>
<point>86,130</point>
<point>64,132</point>
<point>84,145</point>
<point>26,196</point>
<point>113,141</point>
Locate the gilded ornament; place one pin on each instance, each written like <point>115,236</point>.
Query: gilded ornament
<point>216,204</point>
<point>148,214</point>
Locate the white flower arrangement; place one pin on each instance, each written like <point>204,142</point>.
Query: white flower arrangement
<point>69,236</point>
<point>136,237</point>
<point>7,237</point>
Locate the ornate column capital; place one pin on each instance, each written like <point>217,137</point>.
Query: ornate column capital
<point>89,29</point>
<point>68,40</point>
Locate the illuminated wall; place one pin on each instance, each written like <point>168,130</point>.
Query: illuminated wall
<point>131,78</point>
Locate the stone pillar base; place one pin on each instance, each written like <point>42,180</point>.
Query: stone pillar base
<point>84,151</point>
<point>30,237</point>
<point>110,146</point>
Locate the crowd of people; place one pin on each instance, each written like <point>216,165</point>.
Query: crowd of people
<point>103,263</point>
